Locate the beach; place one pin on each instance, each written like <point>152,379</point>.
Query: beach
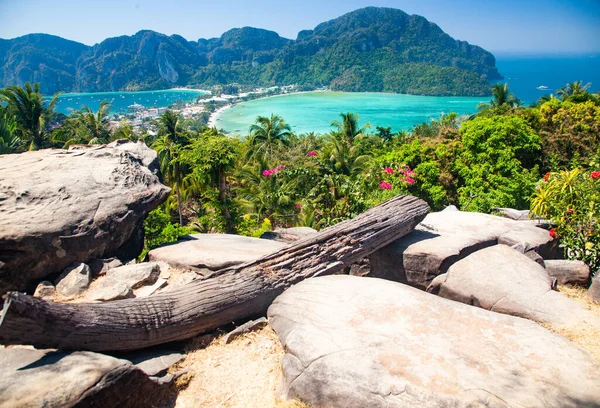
<point>212,121</point>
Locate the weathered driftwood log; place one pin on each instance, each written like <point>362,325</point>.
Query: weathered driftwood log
<point>227,295</point>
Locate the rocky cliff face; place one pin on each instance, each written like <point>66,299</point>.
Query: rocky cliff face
<point>60,207</point>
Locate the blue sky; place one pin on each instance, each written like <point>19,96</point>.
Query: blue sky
<point>520,26</point>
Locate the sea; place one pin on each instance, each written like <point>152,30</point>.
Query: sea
<point>529,77</point>
<point>122,102</point>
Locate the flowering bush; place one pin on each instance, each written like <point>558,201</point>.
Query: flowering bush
<point>572,200</point>
<point>270,172</point>
<point>248,226</point>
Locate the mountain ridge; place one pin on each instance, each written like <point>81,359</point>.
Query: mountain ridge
<point>370,49</point>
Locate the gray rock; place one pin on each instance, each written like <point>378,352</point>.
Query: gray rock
<point>245,328</point>
<point>511,213</point>
<point>136,275</point>
<point>99,267</point>
<point>145,291</point>
<point>74,281</point>
<point>38,378</point>
<point>568,272</point>
<point>109,289</point>
<point>73,206</point>
<point>529,253</point>
<point>445,237</point>
<point>505,281</point>
<point>154,362</point>
<point>361,342</point>
<point>210,252</point>
<point>593,292</point>
<point>289,235</point>
<point>45,290</point>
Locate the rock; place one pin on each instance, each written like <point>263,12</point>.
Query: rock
<point>38,378</point>
<point>210,252</point>
<point>109,289</point>
<point>451,208</point>
<point>145,291</point>
<point>529,253</point>
<point>73,206</point>
<point>154,362</point>
<point>74,281</point>
<point>503,280</point>
<point>361,342</point>
<point>289,235</point>
<point>568,272</point>
<point>247,327</point>
<point>445,237</point>
<point>593,292</point>
<point>45,290</point>
<point>511,213</point>
<point>137,275</point>
<point>99,267</point>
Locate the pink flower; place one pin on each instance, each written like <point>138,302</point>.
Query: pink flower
<point>389,170</point>
<point>409,173</point>
<point>570,211</point>
<point>270,172</point>
<point>595,175</point>
<point>384,185</point>
<point>409,180</point>
<point>298,207</point>
<point>267,173</point>
<point>312,154</point>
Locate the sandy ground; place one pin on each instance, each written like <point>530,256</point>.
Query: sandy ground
<point>244,373</point>
<point>212,121</point>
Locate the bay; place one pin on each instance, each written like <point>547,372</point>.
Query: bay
<point>314,111</point>
<point>121,101</point>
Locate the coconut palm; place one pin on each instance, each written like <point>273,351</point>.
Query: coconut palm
<point>9,141</point>
<point>95,124</point>
<point>348,129</point>
<point>501,96</point>
<point>27,106</point>
<point>267,135</point>
<point>169,125</point>
<point>172,166</point>
<point>573,89</point>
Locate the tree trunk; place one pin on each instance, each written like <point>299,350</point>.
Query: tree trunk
<point>179,204</point>
<point>230,294</point>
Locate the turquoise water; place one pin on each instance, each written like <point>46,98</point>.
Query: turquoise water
<point>120,101</point>
<point>314,111</point>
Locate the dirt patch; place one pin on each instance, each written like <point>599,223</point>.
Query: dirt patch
<point>585,337</point>
<point>244,373</point>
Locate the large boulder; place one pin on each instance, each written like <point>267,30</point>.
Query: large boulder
<point>503,280</point>
<point>568,272</point>
<point>44,378</point>
<point>205,253</point>
<point>361,342</point>
<point>60,207</point>
<point>445,237</point>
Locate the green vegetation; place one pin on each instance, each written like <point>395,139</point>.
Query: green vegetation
<point>371,49</point>
<point>495,158</point>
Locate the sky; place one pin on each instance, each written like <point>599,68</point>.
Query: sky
<point>507,26</point>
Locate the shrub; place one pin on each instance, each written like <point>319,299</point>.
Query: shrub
<point>572,200</point>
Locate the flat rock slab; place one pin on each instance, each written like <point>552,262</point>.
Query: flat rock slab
<point>362,342</point>
<point>445,237</point>
<point>137,275</point>
<point>155,362</point>
<point>73,206</point>
<point>212,252</point>
<point>38,378</point>
<point>503,280</point>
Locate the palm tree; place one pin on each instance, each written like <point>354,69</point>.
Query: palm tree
<point>348,128</point>
<point>172,166</point>
<point>501,97</point>
<point>169,125</point>
<point>267,135</point>
<point>573,89</point>
<point>26,105</point>
<point>95,124</point>
<point>9,141</point>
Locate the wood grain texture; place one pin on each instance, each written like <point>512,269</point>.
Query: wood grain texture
<point>230,294</point>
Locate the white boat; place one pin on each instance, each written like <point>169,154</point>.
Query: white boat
<point>542,88</point>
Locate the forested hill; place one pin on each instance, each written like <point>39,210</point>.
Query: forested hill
<point>371,49</point>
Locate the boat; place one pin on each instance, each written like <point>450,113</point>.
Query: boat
<point>542,88</point>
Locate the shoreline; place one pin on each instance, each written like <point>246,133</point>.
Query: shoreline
<point>212,120</point>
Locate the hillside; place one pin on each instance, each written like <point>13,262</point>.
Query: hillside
<point>371,49</point>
